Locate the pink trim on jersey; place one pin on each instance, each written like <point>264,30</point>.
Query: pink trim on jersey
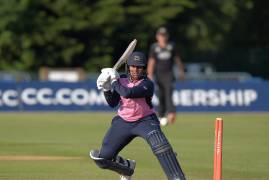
<point>135,108</point>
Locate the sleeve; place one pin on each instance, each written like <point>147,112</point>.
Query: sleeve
<point>175,49</point>
<point>144,89</point>
<point>112,98</point>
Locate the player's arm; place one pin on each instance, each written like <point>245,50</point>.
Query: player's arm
<point>180,67</point>
<point>112,98</point>
<point>151,62</point>
<point>144,89</point>
<point>150,68</point>
<point>179,62</point>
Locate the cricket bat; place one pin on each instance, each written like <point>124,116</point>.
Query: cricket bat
<point>125,55</point>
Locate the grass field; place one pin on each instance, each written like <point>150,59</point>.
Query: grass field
<point>54,146</point>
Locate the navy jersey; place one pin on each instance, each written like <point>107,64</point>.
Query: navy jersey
<point>144,89</point>
<point>164,57</point>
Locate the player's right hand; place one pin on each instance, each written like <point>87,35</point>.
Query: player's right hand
<point>103,80</point>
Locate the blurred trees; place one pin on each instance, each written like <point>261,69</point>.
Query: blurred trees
<point>246,45</point>
<point>93,34</point>
<point>57,33</point>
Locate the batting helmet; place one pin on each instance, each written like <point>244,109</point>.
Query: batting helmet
<point>137,59</point>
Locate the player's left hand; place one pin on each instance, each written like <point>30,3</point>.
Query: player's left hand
<point>107,86</point>
<point>114,75</point>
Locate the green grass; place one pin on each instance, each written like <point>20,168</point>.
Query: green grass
<point>245,148</point>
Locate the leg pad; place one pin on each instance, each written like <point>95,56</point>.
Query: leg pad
<point>119,164</point>
<point>164,152</point>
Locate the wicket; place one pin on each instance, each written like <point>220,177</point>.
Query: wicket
<point>218,149</point>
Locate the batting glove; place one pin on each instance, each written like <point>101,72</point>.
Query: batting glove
<point>103,80</point>
<point>114,75</point>
<point>107,86</point>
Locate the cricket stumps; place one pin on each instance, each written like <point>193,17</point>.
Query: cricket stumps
<point>218,149</point>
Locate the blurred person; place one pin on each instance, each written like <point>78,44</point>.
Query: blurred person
<point>132,93</point>
<point>162,58</point>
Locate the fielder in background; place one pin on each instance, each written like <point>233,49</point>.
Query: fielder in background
<point>132,93</point>
<point>162,57</point>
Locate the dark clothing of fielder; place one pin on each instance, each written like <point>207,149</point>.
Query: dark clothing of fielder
<point>164,62</point>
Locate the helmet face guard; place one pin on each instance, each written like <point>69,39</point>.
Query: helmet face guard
<point>137,59</point>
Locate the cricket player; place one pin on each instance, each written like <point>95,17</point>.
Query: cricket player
<point>162,58</point>
<point>132,94</point>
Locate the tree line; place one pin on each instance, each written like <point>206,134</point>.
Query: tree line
<point>232,35</point>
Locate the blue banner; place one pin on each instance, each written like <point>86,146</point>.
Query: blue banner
<point>222,96</point>
<point>187,96</point>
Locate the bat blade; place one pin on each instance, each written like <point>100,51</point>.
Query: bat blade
<point>125,55</point>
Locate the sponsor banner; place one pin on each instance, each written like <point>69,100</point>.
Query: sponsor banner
<point>187,96</point>
<point>61,96</point>
<point>51,96</point>
<point>222,96</point>
<point>9,97</point>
